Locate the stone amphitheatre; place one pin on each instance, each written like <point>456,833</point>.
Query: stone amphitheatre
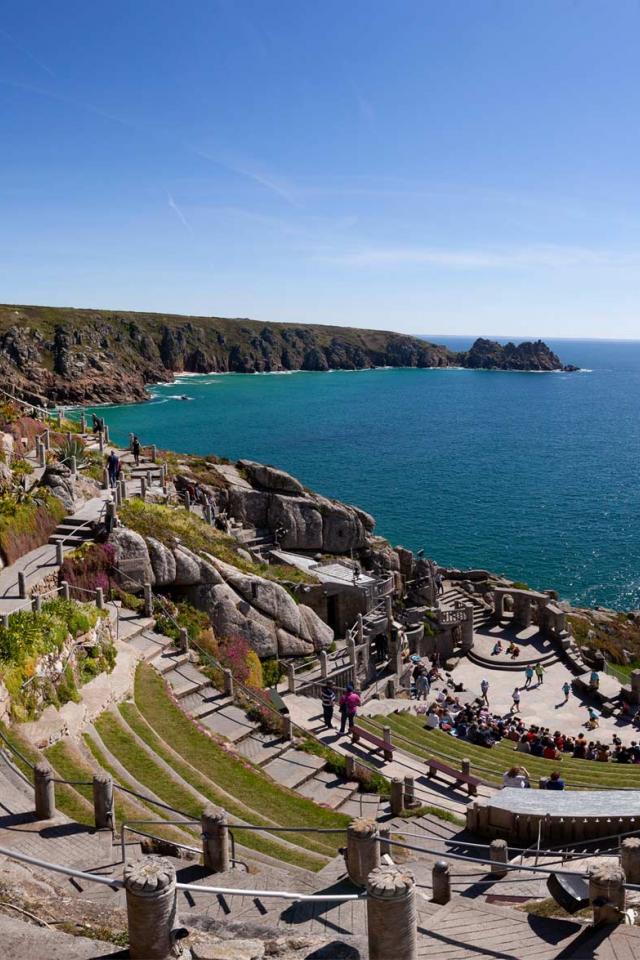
<point>168,784</point>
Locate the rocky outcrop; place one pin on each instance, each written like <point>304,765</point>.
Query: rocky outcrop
<point>57,478</point>
<point>102,356</point>
<point>238,603</point>
<point>489,355</point>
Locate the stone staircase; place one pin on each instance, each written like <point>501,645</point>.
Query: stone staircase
<point>453,595</point>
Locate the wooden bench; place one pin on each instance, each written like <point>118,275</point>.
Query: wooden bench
<point>461,778</point>
<point>359,733</point>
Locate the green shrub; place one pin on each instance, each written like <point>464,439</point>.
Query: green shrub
<point>26,522</point>
<point>272,672</point>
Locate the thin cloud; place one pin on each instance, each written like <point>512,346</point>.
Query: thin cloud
<point>469,259</point>
<point>178,212</point>
<point>26,52</point>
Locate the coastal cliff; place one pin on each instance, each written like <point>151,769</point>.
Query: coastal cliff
<point>98,356</point>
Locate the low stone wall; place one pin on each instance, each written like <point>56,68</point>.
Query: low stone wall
<point>557,817</point>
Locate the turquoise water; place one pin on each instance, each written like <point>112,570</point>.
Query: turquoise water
<point>532,475</point>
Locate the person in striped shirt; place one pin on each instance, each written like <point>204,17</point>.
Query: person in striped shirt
<point>328,699</point>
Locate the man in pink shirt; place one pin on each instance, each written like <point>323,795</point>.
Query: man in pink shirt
<point>349,703</point>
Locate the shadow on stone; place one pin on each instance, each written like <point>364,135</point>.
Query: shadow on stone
<point>335,951</point>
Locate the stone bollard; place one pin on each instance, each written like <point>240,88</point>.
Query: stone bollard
<point>392,925</point>
<point>499,855</point>
<point>287,727</point>
<point>409,793</point>
<point>465,767</point>
<point>36,604</point>
<point>215,840</point>
<point>606,892</point>
<point>73,464</point>
<point>103,801</point>
<point>46,439</point>
<point>363,850</point>
<point>360,629</point>
<point>350,767</point>
<point>291,678</point>
<point>183,640</point>
<point>324,664</point>
<point>384,834</point>
<point>148,600</point>
<point>66,590</point>
<point>187,500</point>
<point>440,882</point>
<point>99,598</point>
<point>143,488</point>
<point>154,453</point>
<point>106,433</point>
<point>228,682</point>
<point>111,514</point>
<point>45,793</point>
<point>83,423</point>
<point>101,441</point>
<point>387,751</point>
<point>42,455</point>
<point>106,483</point>
<point>150,885</point>
<point>22,586</point>
<point>630,858</point>
<point>5,621</point>
<point>397,796</point>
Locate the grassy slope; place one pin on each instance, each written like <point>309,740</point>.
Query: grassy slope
<point>492,763</point>
<point>234,330</point>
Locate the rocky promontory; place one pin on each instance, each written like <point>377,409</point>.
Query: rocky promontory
<point>74,356</point>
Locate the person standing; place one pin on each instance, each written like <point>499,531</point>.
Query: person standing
<point>328,699</point>
<point>515,696</point>
<point>113,468</point>
<point>528,673</point>
<point>484,689</point>
<point>566,689</point>
<point>349,703</point>
<point>540,674</point>
<point>135,450</point>
<point>422,685</point>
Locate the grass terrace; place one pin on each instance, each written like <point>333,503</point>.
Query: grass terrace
<point>170,756</point>
<point>491,763</point>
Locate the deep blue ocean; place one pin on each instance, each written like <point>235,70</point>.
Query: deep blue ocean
<point>532,475</point>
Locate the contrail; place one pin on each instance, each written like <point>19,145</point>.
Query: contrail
<point>174,206</point>
<point>27,53</point>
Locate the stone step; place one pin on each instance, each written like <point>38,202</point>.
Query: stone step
<point>261,747</point>
<point>517,665</point>
<point>229,722</point>
<point>169,659</point>
<point>131,625</point>
<point>328,789</point>
<point>293,768</point>
<point>185,679</point>
<point>69,539</point>
<point>203,701</point>
<point>149,644</point>
<point>361,805</point>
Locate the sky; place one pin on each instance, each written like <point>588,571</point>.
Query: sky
<point>436,168</point>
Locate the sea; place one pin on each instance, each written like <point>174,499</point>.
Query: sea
<point>532,475</point>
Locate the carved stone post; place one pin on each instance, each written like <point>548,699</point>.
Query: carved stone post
<point>228,682</point>
<point>103,801</point>
<point>183,640</point>
<point>324,664</point>
<point>363,851</point>
<point>143,487</point>
<point>441,882</point>
<point>36,603</point>
<point>606,892</point>
<point>66,590</point>
<point>99,598</point>
<point>148,600</point>
<point>499,855</point>
<point>44,789</point>
<point>630,858</point>
<point>150,885</point>
<point>287,727</point>
<point>215,840</point>
<point>105,479</point>
<point>22,586</point>
<point>392,926</point>
<point>397,796</point>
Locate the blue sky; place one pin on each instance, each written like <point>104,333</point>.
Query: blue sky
<point>463,167</point>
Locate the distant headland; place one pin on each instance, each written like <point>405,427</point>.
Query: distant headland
<point>72,355</point>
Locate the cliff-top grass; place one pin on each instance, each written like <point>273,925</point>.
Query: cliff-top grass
<point>176,524</point>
